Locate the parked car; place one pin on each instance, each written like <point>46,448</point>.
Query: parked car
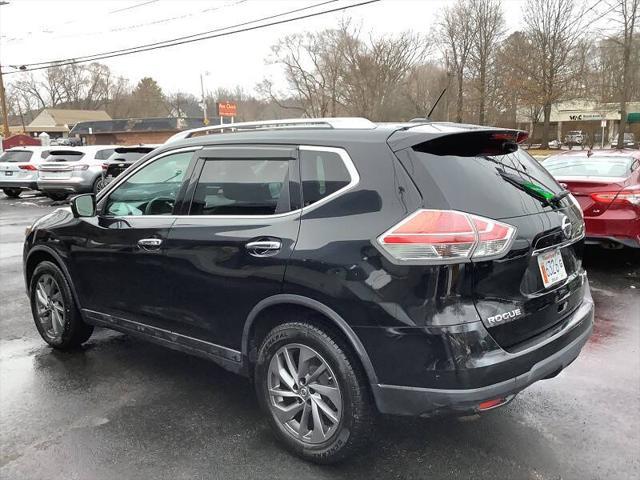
<point>629,141</point>
<point>72,170</point>
<point>19,169</point>
<point>121,159</point>
<point>346,267</point>
<point>576,138</point>
<point>555,144</point>
<point>607,186</point>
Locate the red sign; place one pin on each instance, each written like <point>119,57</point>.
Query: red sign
<point>227,109</point>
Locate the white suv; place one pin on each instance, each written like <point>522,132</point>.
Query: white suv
<point>19,169</point>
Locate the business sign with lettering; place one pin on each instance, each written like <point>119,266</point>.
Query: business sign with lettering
<point>227,109</point>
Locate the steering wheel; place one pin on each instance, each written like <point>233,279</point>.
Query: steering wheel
<point>160,206</point>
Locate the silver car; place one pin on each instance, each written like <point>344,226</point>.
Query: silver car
<point>19,169</point>
<point>73,170</point>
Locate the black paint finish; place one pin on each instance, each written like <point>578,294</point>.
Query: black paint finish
<point>417,326</point>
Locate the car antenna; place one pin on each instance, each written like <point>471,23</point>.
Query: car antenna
<point>437,101</point>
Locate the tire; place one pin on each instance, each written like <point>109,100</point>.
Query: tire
<point>12,192</point>
<point>99,185</point>
<point>355,415</point>
<point>71,331</point>
<point>57,197</point>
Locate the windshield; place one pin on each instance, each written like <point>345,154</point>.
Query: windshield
<point>126,156</point>
<point>594,166</point>
<point>16,156</point>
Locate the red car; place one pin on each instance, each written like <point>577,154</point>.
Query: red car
<point>606,183</point>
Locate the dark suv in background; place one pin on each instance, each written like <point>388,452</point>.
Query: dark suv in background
<point>346,267</point>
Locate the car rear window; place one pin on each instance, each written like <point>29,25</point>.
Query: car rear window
<point>104,154</point>
<point>16,156</point>
<point>466,172</point>
<point>64,156</point>
<point>594,166</point>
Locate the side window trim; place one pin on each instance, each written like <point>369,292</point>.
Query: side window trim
<point>123,178</point>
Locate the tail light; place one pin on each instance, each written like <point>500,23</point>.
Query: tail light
<point>442,236</point>
<point>627,195</point>
<point>28,166</point>
<point>105,166</point>
<point>77,168</point>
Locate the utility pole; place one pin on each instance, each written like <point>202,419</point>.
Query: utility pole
<point>205,120</point>
<point>3,105</point>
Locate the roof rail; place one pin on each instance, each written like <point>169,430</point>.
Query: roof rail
<point>289,123</point>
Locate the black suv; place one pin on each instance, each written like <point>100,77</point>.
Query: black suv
<point>347,268</point>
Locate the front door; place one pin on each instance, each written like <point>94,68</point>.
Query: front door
<point>229,248</point>
<point>120,262</point>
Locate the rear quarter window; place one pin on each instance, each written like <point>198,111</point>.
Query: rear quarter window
<point>323,173</point>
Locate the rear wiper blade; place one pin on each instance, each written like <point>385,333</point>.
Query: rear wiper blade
<point>534,190</point>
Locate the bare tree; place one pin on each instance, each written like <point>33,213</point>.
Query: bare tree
<point>550,53</point>
<point>488,30</point>
<point>456,32</point>
<point>627,12</point>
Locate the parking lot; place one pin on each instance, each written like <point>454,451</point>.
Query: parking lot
<point>122,408</point>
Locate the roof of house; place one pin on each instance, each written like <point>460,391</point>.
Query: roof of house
<point>159,124</point>
<point>57,119</point>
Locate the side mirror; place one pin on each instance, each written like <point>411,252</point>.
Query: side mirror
<point>84,205</point>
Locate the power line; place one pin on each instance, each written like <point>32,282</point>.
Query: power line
<point>70,22</point>
<point>137,25</point>
<point>133,6</point>
<point>186,38</point>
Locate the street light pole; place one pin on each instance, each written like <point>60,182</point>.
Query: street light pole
<point>3,105</point>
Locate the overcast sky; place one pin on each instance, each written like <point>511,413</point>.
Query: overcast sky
<point>43,30</point>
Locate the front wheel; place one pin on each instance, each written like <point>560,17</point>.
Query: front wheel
<point>12,192</point>
<point>54,310</point>
<point>314,392</point>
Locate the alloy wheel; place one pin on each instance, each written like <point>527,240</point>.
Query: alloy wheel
<point>304,394</point>
<point>50,306</point>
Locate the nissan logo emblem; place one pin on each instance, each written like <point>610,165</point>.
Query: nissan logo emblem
<point>566,226</point>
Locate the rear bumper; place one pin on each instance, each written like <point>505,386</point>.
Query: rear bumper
<point>29,184</point>
<point>621,226</point>
<point>67,185</point>
<point>542,360</point>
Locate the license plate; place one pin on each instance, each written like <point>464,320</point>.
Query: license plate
<point>55,174</point>
<point>551,267</point>
<point>8,174</point>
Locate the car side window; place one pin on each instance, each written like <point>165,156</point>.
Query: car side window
<point>242,187</point>
<point>323,173</point>
<point>151,190</point>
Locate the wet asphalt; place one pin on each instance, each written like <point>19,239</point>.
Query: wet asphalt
<point>120,408</point>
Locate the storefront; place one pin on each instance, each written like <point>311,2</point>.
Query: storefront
<point>591,118</point>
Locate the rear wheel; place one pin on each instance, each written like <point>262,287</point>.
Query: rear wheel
<point>54,310</point>
<point>12,192</point>
<point>314,392</point>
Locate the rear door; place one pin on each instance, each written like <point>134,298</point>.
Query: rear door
<point>540,280</point>
<point>229,248</point>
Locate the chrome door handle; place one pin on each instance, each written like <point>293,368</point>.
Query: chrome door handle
<point>150,243</point>
<point>264,248</point>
